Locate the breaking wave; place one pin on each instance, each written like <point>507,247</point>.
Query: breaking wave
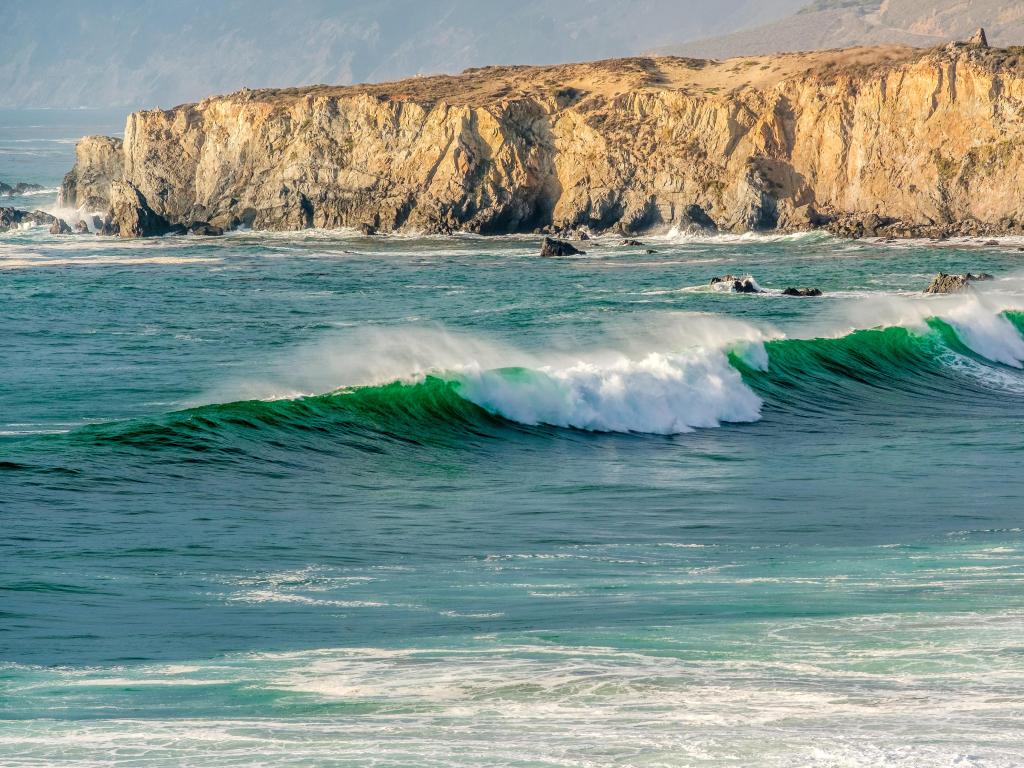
<point>431,385</point>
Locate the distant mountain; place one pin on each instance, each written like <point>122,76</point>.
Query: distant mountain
<point>845,23</point>
<point>162,52</point>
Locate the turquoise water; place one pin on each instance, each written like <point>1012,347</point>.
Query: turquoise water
<point>318,499</point>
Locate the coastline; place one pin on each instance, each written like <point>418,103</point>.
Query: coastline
<point>871,142</point>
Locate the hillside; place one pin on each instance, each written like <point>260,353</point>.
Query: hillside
<point>86,53</point>
<point>846,23</point>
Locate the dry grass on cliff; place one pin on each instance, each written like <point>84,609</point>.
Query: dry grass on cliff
<point>573,83</point>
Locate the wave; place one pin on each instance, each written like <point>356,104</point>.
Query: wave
<point>434,387</point>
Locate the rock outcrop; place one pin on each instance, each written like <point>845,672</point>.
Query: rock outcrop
<point>979,39</point>
<point>884,142</point>
<point>131,214</point>
<point>99,162</point>
<point>944,283</point>
<point>21,188</point>
<point>60,227</point>
<point>737,284</point>
<point>551,248</point>
<point>802,292</point>
<point>205,229</point>
<point>15,217</point>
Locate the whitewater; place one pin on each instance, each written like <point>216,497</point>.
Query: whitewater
<point>313,498</point>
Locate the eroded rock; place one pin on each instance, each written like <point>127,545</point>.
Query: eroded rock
<point>205,229</point>
<point>945,283</point>
<point>60,227</point>
<point>802,292</point>
<point>99,162</point>
<point>13,217</point>
<point>132,215</point>
<point>746,284</point>
<point>21,188</point>
<point>552,248</point>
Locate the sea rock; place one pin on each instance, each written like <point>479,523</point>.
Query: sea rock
<point>367,230</point>
<point>802,292</point>
<point>99,162</point>
<point>97,223</point>
<point>630,243</point>
<point>738,284</point>
<point>12,217</point>
<point>979,39</point>
<point>551,248</point>
<point>131,213</point>
<point>694,220</point>
<point>81,228</point>
<point>38,218</point>
<point>945,283</point>
<point>20,188</point>
<point>60,227</point>
<point>108,228</point>
<point>205,229</point>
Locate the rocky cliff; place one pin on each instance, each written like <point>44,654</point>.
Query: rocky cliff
<point>867,141</point>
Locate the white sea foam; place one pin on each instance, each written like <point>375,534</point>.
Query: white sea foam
<point>666,374</point>
<point>657,394</point>
<point>977,317</point>
<point>886,691</point>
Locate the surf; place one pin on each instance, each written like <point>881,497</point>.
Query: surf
<point>434,386</point>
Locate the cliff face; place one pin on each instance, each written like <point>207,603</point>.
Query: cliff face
<point>99,161</point>
<point>930,138</point>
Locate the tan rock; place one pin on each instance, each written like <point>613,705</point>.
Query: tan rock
<point>99,161</point>
<point>873,142</point>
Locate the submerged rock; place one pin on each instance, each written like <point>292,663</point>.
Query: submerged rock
<point>944,283</point>
<point>132,214</point>
<point>552,247</point>
<point>630,243</point>
<point>802,292</point>
<point>745,284</point>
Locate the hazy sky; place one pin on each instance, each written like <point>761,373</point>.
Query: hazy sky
<point>140,53</point>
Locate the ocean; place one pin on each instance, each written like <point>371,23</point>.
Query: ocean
<point>318,499</point>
